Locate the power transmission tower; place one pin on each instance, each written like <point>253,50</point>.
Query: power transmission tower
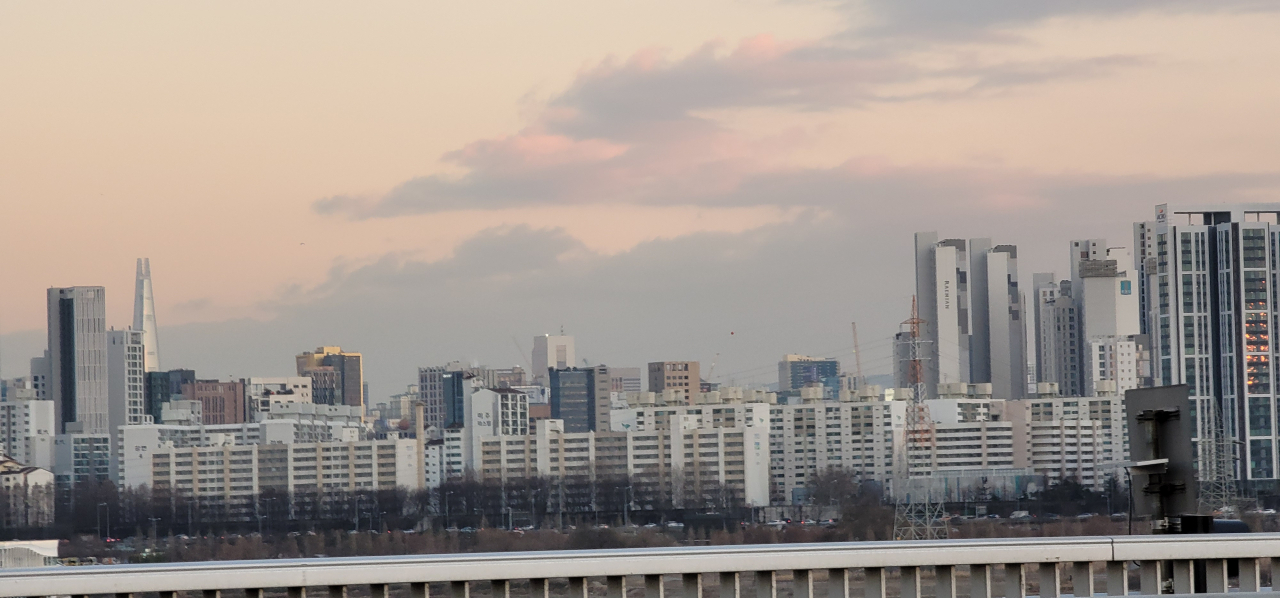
<point>916,517</point>
<point>1217,477</point>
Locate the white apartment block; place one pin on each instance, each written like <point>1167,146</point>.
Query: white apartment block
<point>1079,438</point>
<point>261,393</point>
<point>804,439</point>
<point>1114,365</point>
<point>234,475</point>
<point>696,467</point>
<point>706,464</point>
<point>27,428</point>
<point>139,443</point>
<point>1060,438</point>
<point>126,368</point>
<point>82,457</point>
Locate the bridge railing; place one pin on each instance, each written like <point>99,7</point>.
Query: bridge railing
<point>1049,567</point>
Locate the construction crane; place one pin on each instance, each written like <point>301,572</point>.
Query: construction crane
<point>857,354</point>
<point>712,369</point>
<point>523,355</point>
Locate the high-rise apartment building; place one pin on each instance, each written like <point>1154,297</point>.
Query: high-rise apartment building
<point>1208,291</point>
<point>683,376</point>
<point>144,315</point>
<point>337,376</point>
<point>798,371</point>
<point>78,359</point>
<point>580,397</point>
<point>551,352</point>
<point>1083,325</point>
<point>974,328</point>
<point>1059,352</point>
<point>126,361</point>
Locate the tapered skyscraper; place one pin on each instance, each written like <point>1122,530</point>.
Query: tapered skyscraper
<point>144,316</point>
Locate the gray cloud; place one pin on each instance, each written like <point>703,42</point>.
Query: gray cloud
<point>631,132</point>
<point>934,22</point>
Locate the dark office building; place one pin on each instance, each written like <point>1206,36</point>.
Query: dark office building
<point>799,373</point>
<point>162,387</point>
<point>580,397</point>
<point>454,389</point>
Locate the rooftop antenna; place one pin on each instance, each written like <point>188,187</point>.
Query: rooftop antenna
<point>857,354</point>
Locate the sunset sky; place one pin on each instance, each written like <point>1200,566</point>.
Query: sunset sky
<point>424,182</point>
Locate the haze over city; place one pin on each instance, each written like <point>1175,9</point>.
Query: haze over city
<point>722,181</point>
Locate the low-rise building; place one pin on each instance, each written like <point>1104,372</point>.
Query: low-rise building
<point>27,428</point>
<point>25,554</point>
<point>28,500</point>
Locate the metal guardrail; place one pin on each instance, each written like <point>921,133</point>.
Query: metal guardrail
<point>1167,564</point>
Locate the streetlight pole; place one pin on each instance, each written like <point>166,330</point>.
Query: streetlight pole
<point>98,512</point>
<point>446,508</point>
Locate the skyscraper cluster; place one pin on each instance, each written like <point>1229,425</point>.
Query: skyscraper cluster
<point>974,324</point>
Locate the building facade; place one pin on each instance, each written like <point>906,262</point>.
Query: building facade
<point>126,378</point>
<point>27,428</point>
<point>580,398</point>
<point>625,380</point>
<point>337,376</point>
<point>798,371</point>
<point>1208,293</point>
<point>230,477</point>
<point>551,352</point>
<point>684,376</point>
<point>261,393</point>
<point>28,496</point>
<point>291,424</point>
<point>221,402</point>
<point>973,326</point>
<point>78,359</point>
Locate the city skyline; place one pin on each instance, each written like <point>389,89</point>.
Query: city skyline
<point>878,353</point>
<point>459,190</point>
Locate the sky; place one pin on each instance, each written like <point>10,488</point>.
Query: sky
<point>725,181</point>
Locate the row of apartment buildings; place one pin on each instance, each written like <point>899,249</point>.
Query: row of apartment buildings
<point>722,450</point>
